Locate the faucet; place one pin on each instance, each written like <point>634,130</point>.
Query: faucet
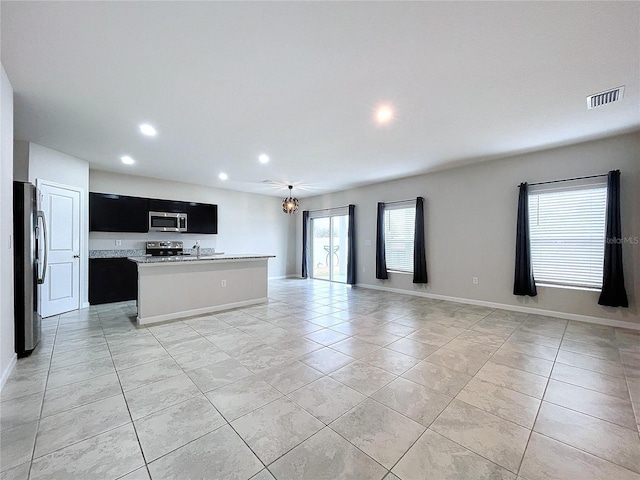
<point>197,247</point>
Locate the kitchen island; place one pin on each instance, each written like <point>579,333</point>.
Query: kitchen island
<point>184,286</point>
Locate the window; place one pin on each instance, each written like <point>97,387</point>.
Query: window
<point>567,234</point>
<point>399,225</point>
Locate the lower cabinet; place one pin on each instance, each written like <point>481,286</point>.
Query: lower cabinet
<point>112,280</point>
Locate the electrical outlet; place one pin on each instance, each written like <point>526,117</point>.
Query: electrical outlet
<point>223,283</point>
<point>475,280</point>
<point>367,243</point>
<point>364,269</point>
<point>118,243</point>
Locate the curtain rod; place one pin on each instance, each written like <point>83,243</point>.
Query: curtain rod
<point>325,209</point>
<point>401,201</point>
<point>567,179</point>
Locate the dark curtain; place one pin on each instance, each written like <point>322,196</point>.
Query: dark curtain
<point>524,283</point>
<point>305,244</point>
<point>613,292</point>
<point>381,260</point>
<point>419,255</point>
<point>351,259</point>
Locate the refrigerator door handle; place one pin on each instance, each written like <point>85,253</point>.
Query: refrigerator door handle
<point>44,241</point>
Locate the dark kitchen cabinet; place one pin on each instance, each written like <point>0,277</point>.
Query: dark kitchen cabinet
<point>202,218</point>
<point>112,280</point>
<point>167,206</point>
<point>118,213</point>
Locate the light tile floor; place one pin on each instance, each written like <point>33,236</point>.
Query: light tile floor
<point>325,382</point>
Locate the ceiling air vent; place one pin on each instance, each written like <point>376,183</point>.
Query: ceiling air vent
<point>603,98</point>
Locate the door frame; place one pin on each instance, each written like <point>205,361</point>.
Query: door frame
<point>83,260</point>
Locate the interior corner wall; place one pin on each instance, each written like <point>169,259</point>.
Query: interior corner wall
<point>21,160</point>
<point>58,167</point>
<point>7,337</point>
<point>247,222</point>
<point>470,221</point>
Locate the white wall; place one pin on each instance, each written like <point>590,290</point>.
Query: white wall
<point>470,219</point>
<point>7,338</point>
<point>247,223</point>
<point>57,167</point>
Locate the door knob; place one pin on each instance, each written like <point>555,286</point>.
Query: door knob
<point>76,256</point>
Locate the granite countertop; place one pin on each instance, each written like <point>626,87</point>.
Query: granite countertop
<point>142,253</point>
<point>116,253</point>
<point>187,259</point>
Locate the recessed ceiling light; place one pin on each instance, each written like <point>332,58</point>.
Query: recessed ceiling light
<point>223,176</point>
<point>127,160</point>
<point>263,158</point>
<point>384,114</point>
<point>148,130</point>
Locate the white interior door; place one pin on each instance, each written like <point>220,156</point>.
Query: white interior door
<point>60,291</point>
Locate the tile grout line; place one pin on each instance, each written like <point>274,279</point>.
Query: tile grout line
<point>586,452</point>
<point>455,397</point>
<point>293,401</point>
<point>473,376</point>
<point>498,416</point>
<point>42,407</point>
<point>44,394</point>
<point>216,409</point>
<point>203,394</point>
<point>524,452</point>
<point>585,413</point>
<point>327,425</point>
<point>135,430</point>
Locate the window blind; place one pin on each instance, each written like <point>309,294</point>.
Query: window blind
<point>567,235</point>
<point>329,212</point>
<point>399,224</point>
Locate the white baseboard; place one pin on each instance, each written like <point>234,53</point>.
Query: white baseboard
<point>85,305</point>
<point>8,370</point>
<point>282,277</point>
<point>514,308</point>
<point>198,311</point>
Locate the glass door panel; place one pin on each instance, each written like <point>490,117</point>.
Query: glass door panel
<point>339,248</point>
<point>321,241</point>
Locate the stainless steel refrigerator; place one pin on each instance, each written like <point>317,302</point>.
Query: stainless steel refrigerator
<point>30,265</point>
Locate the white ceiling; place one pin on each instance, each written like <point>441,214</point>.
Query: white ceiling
<point>225,81</point>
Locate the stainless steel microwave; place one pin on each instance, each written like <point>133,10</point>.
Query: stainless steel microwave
<point>167,222</point>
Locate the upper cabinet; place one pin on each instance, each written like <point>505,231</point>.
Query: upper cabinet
<point>202,218</point>
<point>120,213</point>
<point>168,206</point>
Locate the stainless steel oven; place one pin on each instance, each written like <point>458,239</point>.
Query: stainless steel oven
<point>167,222</point>
<point>160,248</point>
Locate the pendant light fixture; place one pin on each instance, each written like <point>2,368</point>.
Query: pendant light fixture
<point>290,205</point>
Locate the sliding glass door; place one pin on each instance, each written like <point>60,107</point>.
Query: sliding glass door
<point>329,247</point>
